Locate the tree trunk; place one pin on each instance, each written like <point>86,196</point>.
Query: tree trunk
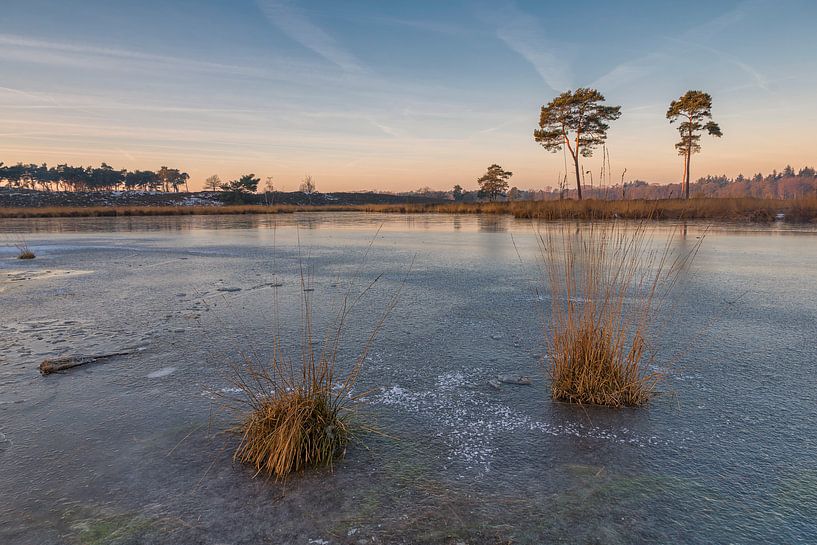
<point>578,177</point>
<point>686,174</point>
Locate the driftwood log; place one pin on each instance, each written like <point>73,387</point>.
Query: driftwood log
<point>61,364</point>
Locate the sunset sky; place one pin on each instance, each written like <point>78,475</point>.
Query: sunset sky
<point>398,95</point>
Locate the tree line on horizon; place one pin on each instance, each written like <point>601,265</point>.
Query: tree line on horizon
<point>65,177</point>
<point>103,178</point>
<point>787,183</point>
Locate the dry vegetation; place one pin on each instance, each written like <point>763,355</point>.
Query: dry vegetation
<point>128,211</point>
<point>299,411</point>
<point>733,209</point>
<point>25,250</point>
<point>606,282</point>
<point>737,209</point>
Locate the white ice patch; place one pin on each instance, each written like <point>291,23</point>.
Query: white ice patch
<point>231,390</point>
<point>449,381</point>
<point>471,423</point>
<point>163,372</point>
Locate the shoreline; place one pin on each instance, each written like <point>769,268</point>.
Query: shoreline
<point>803,210</point>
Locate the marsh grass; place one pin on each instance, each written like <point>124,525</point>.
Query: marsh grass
<point>801,210</point>
<point>607,282</point>
<point>24,249</point>
<point>296,412</point>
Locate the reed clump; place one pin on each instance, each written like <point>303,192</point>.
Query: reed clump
<point>291,431</point>
<point>607,281</point>
<point>25,251</point>
<point>296,414</point>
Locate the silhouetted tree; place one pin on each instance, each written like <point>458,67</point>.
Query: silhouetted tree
<point>142,179</point>
<point>245,185</point>
<point>213,183</point>
<point>172,177</point>
<point>576,120</point>
<point>695,109</point>
<point>77,178</point>
<point>105,178</point>
<point>494,182</point>
<point>457,192</point>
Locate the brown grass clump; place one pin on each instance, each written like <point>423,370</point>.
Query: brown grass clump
<point>299,412</point>
<point>606,281</point>
<point>25,251</point>
<point>292,431</point>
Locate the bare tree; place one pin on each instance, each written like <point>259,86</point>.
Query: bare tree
<point>269,196</point>
<point>212,183</point>
<point>307,185</point>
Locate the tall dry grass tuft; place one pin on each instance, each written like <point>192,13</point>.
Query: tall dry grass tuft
<point>296,411</point>
<point>607,281</point>
<point>25,250</point>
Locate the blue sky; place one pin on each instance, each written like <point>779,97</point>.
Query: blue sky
<point>397,95</point>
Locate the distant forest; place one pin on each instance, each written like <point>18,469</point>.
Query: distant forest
<point>786,184</point>
<point>102,178</point>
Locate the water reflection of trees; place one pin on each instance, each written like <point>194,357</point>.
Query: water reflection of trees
<point>492,223</point>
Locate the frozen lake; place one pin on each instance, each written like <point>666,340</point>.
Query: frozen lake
<point>132,450</point>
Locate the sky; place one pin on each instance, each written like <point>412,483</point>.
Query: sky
<point>394,96</point>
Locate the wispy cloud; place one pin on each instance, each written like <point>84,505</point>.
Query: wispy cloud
<point>20,49</point>
<point>39,97</point>
<point>630,71</point>
<point>712,28</point>
<point>758,79</point>
<point>633,70</point>
<point>390,131</point>
<point>523,34</point>
<point>292,22</point>
<point>436,27</point>
<point>74,54</point>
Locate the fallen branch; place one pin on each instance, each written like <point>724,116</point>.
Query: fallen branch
<point>61,364</point>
